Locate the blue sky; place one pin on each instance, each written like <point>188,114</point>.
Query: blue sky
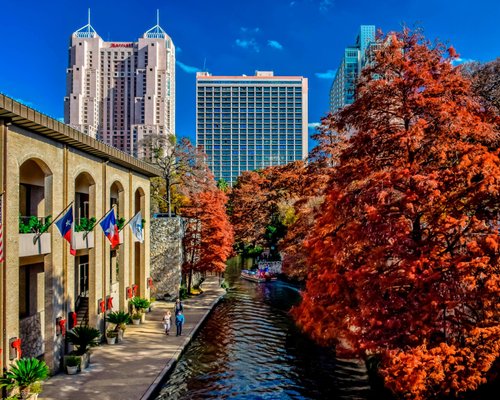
<point>229,37</point>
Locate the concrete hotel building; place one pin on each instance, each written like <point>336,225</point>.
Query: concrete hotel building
<point>343,88</point>
<point>251,122</point>
<point>120,92</point>
<point>44,166</point>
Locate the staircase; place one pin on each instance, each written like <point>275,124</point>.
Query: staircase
<point>82,311</point>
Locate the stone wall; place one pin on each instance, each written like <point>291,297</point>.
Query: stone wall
<point>166,255</point>
<point>31,336</point>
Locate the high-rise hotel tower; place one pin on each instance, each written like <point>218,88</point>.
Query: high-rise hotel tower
<point>120,92</point>
<point>342,92</point>
<point>250,122</point>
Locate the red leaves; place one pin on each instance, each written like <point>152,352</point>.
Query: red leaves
<point>403,257</point>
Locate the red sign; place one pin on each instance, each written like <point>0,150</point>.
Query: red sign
<point>74,319</point>
<point>16,344</point>
<point>62,326</point>
<point>122,45</point>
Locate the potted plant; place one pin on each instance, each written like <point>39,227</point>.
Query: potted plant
<point>83,338</point>
<point>24,377</point>
<point>111,336</point>
<point>141,305</point>
<point>136,318</point>
<point>120,319</point>
<point>72,364</point>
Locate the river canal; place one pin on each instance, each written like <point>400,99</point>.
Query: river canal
<point>249,348</point>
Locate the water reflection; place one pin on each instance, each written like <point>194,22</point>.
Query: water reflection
<point>249,348</point>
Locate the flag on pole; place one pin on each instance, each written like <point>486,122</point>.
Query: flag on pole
<point>65,226</point>
<point>1,228</point>
<point>136,227</point>
<point>108,225</point>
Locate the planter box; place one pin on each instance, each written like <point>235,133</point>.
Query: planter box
<point>79,243</point>
<point>28,248</point>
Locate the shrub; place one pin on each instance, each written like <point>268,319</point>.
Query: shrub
<point>73,361</point>
<point>183,293</point>
<point>119,318</point>
<point>140,303</point>
<point>85,225</point>
<point>25,373</point>
<point>83,338</point>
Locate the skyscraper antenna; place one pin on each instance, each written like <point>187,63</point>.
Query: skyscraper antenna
<point>89,20</point>
<point>204,64</point>
<point>157,17</point>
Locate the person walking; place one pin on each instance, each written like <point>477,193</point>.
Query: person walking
<point>178,307</point>
<point>167,322</point>
<point>179,321</point>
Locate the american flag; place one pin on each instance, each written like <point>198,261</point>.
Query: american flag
<point>1,229</point>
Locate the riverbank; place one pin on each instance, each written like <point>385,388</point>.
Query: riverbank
<point>132,370</point>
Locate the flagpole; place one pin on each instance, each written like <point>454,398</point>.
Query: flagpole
<point>97,223</point>
<point>37,236</point>
<point>128,222</point>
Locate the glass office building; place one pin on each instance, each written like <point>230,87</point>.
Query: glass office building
<point>250,122</point>
<point>343,88</point>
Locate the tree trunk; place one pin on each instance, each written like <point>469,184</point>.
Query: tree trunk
<point>190,278</point>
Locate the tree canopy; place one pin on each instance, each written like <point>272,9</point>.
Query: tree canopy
<point>403,257</point>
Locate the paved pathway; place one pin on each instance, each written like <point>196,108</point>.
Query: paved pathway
<point>133,369</point>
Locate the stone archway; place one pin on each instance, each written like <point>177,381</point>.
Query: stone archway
<point>36,308</point>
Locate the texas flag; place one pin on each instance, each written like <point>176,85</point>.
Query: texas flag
<point>65,226</point>
<point>108,225</point>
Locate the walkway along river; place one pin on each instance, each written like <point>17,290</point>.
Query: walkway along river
<point>249,348</point>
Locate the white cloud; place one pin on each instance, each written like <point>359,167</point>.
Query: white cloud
<point>249,30</point>
<point>188,68</point>
<point>458,61</point>
<point>313,125</point>
<point>248,44</point>
<point>330,74</point>
<point>325,5</point>
<point>275,45</point>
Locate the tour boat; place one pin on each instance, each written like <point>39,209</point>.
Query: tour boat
<point>255,276</point>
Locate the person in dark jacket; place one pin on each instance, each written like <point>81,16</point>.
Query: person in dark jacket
<point>179,321</point>
<point>178,307</point>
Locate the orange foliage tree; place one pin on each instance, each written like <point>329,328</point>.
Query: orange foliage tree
<point>208,237</point>
<point>262,204</point>
<point>314,179</point>
<point>404,255</point>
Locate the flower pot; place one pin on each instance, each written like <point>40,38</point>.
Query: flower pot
<point>111,340</point>
<point>136,321</point>
<point>85,361</point>
<point>143,317</point>
<point>121,332</point>
<point>72,370</point>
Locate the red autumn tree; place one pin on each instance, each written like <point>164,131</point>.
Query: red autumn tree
<point>404,256</point>
<point>249,215</point>
<point>314,179</point>
<point>208,240</point>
